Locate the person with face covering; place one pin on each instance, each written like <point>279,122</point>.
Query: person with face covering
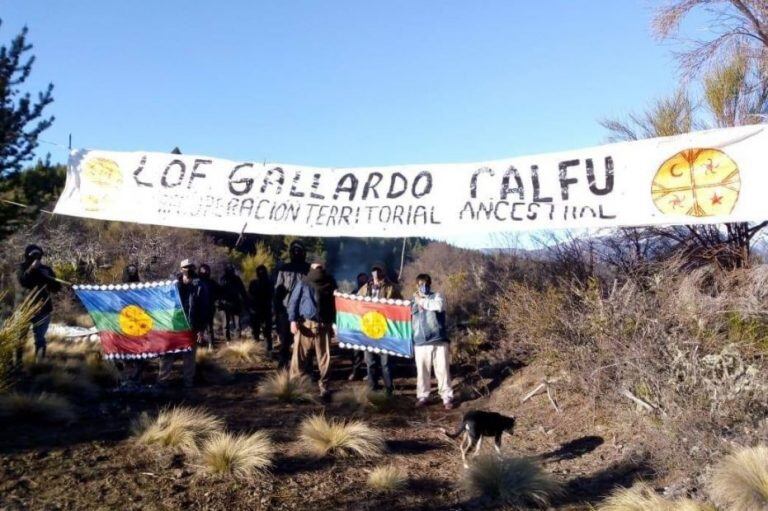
<point>39,279</point>
<point>431,346</point>
<point>213,290</point>
<point>358,356</point>
<point>194,301</point>
<point>131,274</point>
<point>378,363</point>
<point>232,298</point>
<point>288,275</point>
<point>312,312</point>
<point>260,290</point>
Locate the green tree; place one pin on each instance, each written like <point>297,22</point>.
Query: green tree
<point>21,117</point>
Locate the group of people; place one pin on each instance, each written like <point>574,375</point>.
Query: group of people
<point>301,304</point>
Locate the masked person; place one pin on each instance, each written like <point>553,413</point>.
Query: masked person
<point>312,312</point>
<point>194,301</point>
<point>378,363</point>
<point>431,345</point>
<point>41,281</point>
<point>357,355</point>
<point>288,275</point>
<point>131,274</point>
<point>213,290</point>
<point>232,298</point>
<point>260,290</point>
<point>133,369</point>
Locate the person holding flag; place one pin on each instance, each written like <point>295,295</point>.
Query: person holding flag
<point>39,279</point>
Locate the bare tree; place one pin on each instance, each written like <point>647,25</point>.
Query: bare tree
<point>734,25</point>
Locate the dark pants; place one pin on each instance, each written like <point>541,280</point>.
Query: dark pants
<point>261,322</point>
<point>357,362</point>
<point>39,329</point>
<point>232,322</point>
<point>378,363</point>
<point>285,335</point>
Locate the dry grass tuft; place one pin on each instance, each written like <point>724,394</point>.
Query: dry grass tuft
<point>515,482</point>
<point>641,497</point>
<point>325,437</point>
<point>388,478</point>
<point>209,369</point>
<point>281,387</point>
<point>179,427</point>
<point>740,481</point>
<point>13,332</point>
<point>242,352</point>
<point>241,456</point>
<point>71,349</point>
<point>49,408</point>
<point>101,372</point>
<point>76,384</point>
<point>361,398</point>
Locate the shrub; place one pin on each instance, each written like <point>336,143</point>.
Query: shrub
<point>281,387</point>
<point>76,385</point>
<point>361,398</point>
<point>13,332</point>
<point>641,497</point>
<point>740,481</point>
<point>47,408</point>
<point>334,437</point>
<point>261,255</point>
<point>387,478</point>
<point>242,352</point>
<point>515,482</point>
<point>241,456</point>
<point>209,369</point>
<point>179,427</point>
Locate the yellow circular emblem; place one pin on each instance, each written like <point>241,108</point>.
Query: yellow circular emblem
<point>697,182</point>
<point>134,320</point>
<point>103,171</point>
<point>373,324</point>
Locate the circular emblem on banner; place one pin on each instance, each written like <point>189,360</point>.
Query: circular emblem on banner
<point>101,177</point>
<point>134,320</point>
<point>373,324</point>
<point>697,182</point>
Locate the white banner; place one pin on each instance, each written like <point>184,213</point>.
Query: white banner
<point>702,177</point>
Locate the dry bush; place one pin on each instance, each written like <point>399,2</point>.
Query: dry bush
<point>72,384</point>
<point>71,349</point>
<point>208,367</point>
<point>47,408</point>
<point>387,478</point>
<point>262,255</point>
<point>361,398</point>
<point>641,497</point>
<point>238,455</point>
<point>685,343</point>
<point>182,428</point>
<point>13,332</point>
<point>740,481</point>
<point>281,387</point>
<point>242,352</point>
<point>334,437</point>
<point>518,483</point>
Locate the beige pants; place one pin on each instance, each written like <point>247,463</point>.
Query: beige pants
<point>317,337</point>
<point>437,356</point>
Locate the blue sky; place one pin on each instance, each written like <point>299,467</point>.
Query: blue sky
<point>341,83</point>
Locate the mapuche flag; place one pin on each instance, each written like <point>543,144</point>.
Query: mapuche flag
<point>373,324</point>
<point>138,320</point>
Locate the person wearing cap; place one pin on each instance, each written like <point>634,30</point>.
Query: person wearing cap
<point>377,364</point>
<point>312,313</point>
<point>288,275</point>
<point>194,302</point>
<point>431,346</point>
<point>41,281</point>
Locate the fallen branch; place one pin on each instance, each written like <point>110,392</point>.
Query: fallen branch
<point>645,404</point>
<point>543,386</point>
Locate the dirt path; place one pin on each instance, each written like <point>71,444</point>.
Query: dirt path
<point>93,464</point>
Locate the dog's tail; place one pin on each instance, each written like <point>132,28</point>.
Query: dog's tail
<point>457,433</point>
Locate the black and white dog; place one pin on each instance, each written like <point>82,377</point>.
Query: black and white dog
<point>477,424</point>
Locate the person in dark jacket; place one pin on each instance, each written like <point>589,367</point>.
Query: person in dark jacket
<point>194,301</point>
<point>133,369</point>
<point>358,356</point>
<point>232,298</point>
<point>213,291</point>
<point>312,313</point>
<point>39,279</point>
<point>260,290</point>
<point>131,274</point>
<point>288,275</point>
<point>431,346</point>
<point>378,363</point>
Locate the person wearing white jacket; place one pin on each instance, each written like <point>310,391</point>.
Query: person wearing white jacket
<point>432,347</point>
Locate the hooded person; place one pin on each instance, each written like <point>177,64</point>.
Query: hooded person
<point>379,286</point>
<point>131,274</point>
<point>260,290</point>
<point>232,298</point>
<point>312,312</point>
<point>213,290</point>
<point>41,281</point>
<point>288,275</point>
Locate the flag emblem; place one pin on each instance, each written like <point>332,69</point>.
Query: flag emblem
<point>373,324</point>
<point>134,320</point>
<point>377,325</point>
